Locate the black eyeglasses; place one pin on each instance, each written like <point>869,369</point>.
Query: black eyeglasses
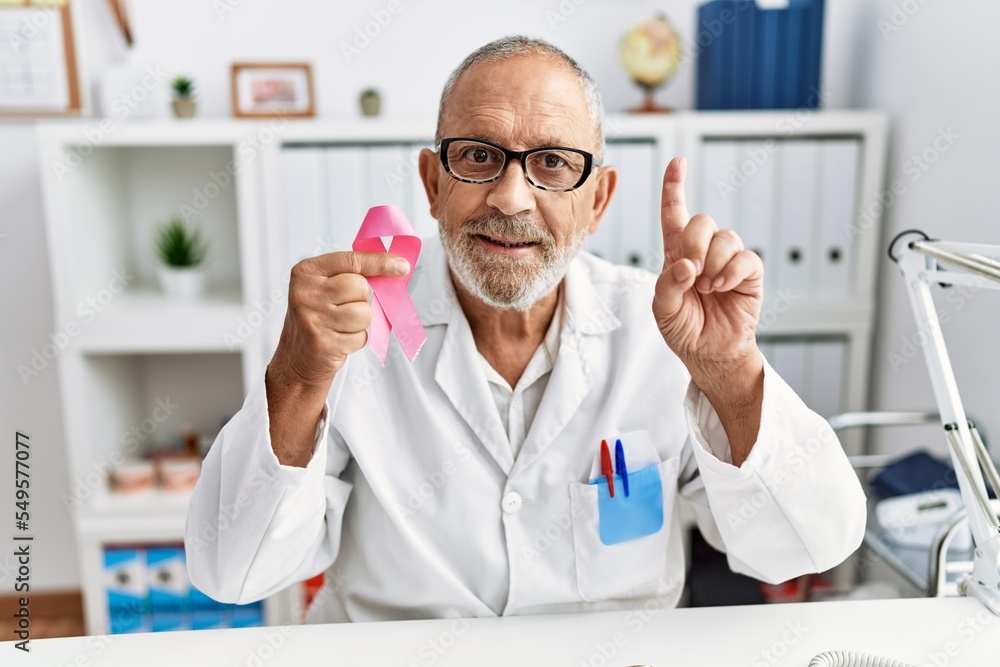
<point>553,168</point>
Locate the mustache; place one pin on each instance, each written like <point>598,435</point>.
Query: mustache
<point>508,226</point>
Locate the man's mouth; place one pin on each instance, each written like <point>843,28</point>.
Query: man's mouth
<point>507,243</point>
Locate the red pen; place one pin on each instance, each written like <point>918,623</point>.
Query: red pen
<point>606,469</point>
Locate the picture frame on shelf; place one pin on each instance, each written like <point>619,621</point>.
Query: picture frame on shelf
<point>39,62</point>
<point>265,90</point>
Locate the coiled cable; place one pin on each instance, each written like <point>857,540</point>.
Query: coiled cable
<point>854,659</point>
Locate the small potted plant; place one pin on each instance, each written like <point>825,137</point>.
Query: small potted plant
<point>185,105</point>
<point>181,250</point>
<point>371,101</point>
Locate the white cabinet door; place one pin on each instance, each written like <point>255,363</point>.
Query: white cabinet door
<point>789,358</point>
<point>826,377</point>
<point>814,369</point>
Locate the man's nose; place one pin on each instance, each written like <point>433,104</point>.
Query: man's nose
<point>511,193</point>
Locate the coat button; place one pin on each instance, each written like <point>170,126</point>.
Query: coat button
<point>511,502</point>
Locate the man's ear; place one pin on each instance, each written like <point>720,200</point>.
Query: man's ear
<point>606,181</point>
<point>430,175</point>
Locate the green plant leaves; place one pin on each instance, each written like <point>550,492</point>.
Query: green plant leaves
<point>183,87</point>
<point>180,245</point>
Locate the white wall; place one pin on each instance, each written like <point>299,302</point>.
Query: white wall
<point>933,73</point>
<point>25,323</point>
<point>938,72</point>
<point>427,37</point>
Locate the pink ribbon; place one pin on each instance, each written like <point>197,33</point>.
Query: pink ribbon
<point>392,309</point>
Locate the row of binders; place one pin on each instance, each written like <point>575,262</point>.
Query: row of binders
<point>629,233</point>
<point>759,57</point>
<point>148,590</point>
<point>794,202</point>
<point>328,189</point>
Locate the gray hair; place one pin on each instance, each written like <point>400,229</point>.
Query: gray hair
<point>519,45</point>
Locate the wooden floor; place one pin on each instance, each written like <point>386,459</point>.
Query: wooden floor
<point>52,615</point>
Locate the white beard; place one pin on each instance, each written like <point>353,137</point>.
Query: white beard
<point>509,283</point>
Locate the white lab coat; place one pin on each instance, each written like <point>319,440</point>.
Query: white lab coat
<point>415,506</point>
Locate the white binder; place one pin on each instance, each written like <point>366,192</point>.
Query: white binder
<point>797,219</point>
<point>718,160</point>
<point>304,214</point>
<point>605,241</point>
<point>838,205</point>
<point>347,190</point>
<point>384,165</point>
<point>641,239</point>
<point>757,200</point>
<point>420,216</point>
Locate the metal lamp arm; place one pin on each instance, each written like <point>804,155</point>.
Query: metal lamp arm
<point>920,262</point>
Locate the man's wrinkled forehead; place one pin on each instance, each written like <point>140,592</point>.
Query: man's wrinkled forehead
<point>525,101</point>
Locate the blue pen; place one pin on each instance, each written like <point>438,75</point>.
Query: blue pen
<point>620,465</point>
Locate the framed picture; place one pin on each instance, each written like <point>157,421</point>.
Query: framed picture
<point>264,90</point>
<point>39,68</point>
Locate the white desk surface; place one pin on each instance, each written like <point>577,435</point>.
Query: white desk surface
<point>952,632</point>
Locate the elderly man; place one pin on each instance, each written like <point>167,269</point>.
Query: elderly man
<point>474,482</point>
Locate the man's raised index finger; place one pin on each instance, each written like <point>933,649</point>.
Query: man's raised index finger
<point>673,204</point>
<point>363,263</point>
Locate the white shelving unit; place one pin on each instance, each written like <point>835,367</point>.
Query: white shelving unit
<point>826,172</point>
<point>130,349</point>
<point>302,188</point>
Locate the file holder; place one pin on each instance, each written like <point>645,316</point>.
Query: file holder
<point>753,57</point>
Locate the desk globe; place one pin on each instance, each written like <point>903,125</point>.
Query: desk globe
<point>651,54</point>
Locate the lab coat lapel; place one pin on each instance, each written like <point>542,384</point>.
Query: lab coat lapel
<point>572,377</point>
<point>570,382</point>
<point>459,373</point>
<point>459,370</point>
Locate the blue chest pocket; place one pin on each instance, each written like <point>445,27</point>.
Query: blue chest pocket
<point>625,518</point>
<point>621,545</point>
